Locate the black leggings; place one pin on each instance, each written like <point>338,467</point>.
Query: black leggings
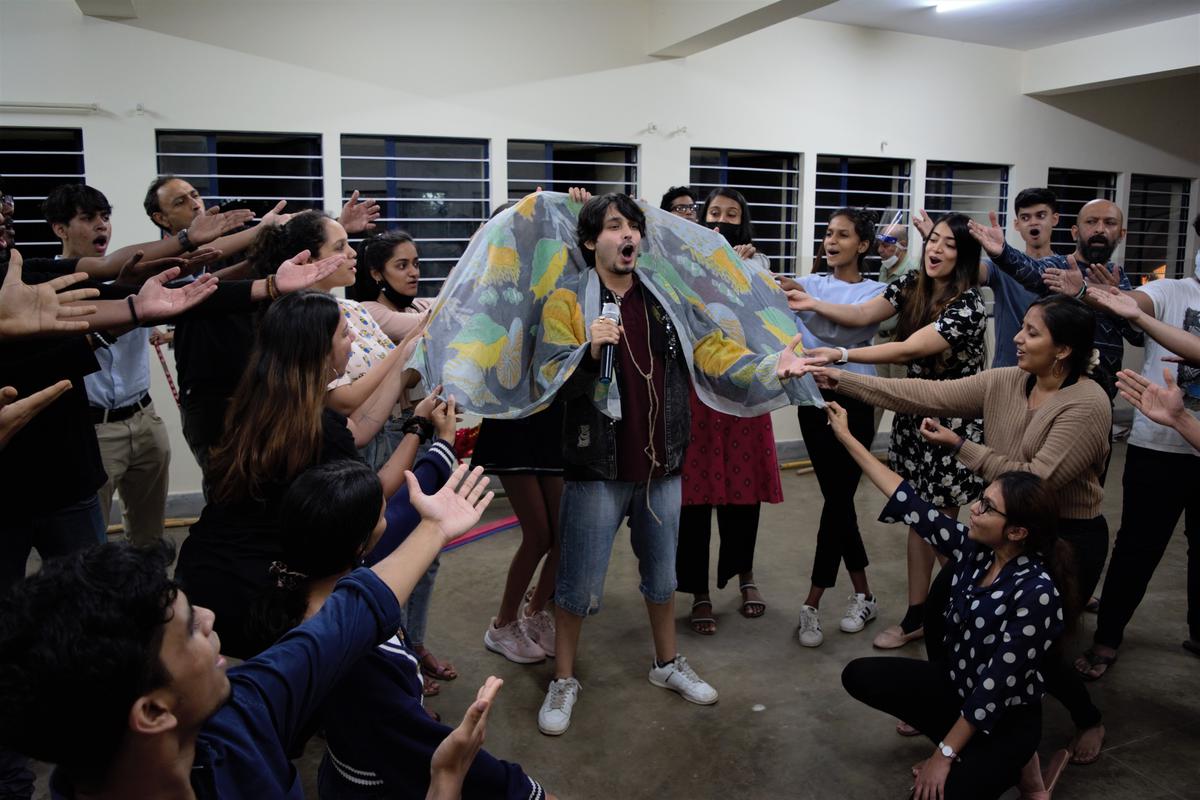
<point>738,527</point>
<point>920,693</point>
<point>838,537</point>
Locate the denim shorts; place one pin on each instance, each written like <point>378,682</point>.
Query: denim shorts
<point>590,514</point>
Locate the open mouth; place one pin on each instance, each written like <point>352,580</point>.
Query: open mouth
<point>627,250</point>
<point>934,262</point>
<point>100,243</point>
<point>1035,232</point>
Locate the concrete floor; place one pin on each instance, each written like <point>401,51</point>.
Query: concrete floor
<point>784,727</point>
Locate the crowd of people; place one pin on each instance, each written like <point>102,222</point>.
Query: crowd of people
<point>332,479</point>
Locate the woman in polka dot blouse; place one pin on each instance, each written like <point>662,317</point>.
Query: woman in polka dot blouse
<point>982,704</point>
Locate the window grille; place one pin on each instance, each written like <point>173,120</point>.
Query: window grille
<point>33,161</point>
<point>1157,223</point>
<point>971,189</point>
<point>1073,188</point>
<point>882,184</point>
<point>557,166</point>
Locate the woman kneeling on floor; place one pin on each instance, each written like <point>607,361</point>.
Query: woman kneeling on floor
<point>983,704</point>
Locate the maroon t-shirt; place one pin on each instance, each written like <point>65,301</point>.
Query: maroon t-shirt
<point>647,347</point>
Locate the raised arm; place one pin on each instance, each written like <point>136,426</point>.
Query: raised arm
<point>876,471</point>
<point>961,397</point>
<point>1029,272</point>
<point>1138,308</point>
<point>27,310</point>
<point>205,229</point>
<point>1162,404</point>
<point>922,344</point>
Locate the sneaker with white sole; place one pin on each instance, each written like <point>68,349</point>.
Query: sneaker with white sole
<point>555,715</point>
<point>859,612</point>
<point>511,642</point>
<point>809,630</point>
<point>678,676</point>
<point>540,628</point>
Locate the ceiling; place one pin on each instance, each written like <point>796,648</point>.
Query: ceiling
<point>1015,24</point>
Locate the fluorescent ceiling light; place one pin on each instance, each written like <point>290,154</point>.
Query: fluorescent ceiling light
<point>957,5</point>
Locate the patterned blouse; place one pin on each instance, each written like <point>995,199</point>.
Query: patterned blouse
<point>962,324</point>
<point>370,346</point>
<point>996,635</point>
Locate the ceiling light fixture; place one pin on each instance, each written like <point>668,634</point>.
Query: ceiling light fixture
<point>957,5</point>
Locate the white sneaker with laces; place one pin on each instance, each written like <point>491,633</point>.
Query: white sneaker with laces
<point>540,628</point>
<point>859,612</point>
<point>555,715</point>
<point>511,642</point>
<point>678,676</point>
<point>810,627</point>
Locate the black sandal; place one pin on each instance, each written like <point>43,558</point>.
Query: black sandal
<point>1094,660</point>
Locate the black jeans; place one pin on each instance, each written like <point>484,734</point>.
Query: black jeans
<point>1158,488</point>
<point>838,537</point>
<point>920,693</point>
<point>738,527</point>
<point>1089,544</point>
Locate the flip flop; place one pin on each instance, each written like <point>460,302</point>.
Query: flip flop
<point>430,687</point>
<point>1054,769</point>
<point>433,668</point>
<point>751,609</point>
<point>695,619</point>
<point>1094,660</point>
<point>1083,762</point>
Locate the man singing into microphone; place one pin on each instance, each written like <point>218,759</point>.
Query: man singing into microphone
<point>620,468</point>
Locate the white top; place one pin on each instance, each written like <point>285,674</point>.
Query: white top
<point>1176,302</point>
<point>817,331</point>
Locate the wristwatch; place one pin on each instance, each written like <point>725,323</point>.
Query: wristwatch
<point>947,751</point>
<point>845,357</point>
<point>185,242</point>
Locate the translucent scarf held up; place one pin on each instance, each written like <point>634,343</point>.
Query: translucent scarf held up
<point>511,324</point>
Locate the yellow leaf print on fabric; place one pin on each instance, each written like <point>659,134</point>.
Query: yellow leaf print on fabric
<point>526,205</point>
<point>562,319</point>
<point>549,260</point>
<point>503,266</point>
<point>715,353</point>
<point>480,341</point>
<point>782,326</point>
<point>724,316</point>
<point>729,271</point>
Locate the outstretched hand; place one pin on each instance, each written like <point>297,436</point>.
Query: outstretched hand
<point>358,217</point>
<point>1114,301</point>
<point>15,414</point>
<point>991,237</point>
<point>935,432</point>
<point>213,224</point>
<point>298,272</point>
<point>839,421</point>
<point>454,756</point>
<point>800,300</point>
<point>457,505</point>
<point>923,223</point>
<point>27,310</point>
<point>1064,281</point>
<point>1162,404</point>
<point>156,302</point>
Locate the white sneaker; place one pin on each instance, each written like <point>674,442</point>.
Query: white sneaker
<point>511,642</point>
<point>540,628</point>
<point>555,715</point>
<point>859,612</point>
<point>678,676</point>
<point>810,627</point>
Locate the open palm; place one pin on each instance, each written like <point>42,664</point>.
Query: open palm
<point>27,310</point>
<point>457,505</point>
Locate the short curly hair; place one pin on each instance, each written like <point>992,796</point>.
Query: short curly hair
<point>80,641</point>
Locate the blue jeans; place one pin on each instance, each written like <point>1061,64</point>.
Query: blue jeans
<point>57,533</point>
<point>590,515</point>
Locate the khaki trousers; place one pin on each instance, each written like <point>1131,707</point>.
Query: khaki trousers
<point>137,456</point>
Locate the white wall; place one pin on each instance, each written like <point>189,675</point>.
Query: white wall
<point>546,70</point>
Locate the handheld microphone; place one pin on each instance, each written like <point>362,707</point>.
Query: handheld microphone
<point>608,353</point>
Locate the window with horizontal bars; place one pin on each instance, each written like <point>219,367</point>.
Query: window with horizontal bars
<point>770,182</point>
<point>557,166</point>
<point>1157,223</point>
<point>436,189</point>
<point>246,169</point>
<point>33,161</point>
<point>1074,188</point>
<point>971,189</point>
<point>882,184</point>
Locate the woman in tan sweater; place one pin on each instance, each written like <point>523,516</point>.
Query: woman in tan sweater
<point>1046,416</point>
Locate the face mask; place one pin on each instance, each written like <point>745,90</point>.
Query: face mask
<point>890,262</point>
<point>400,301</point>
<point>729,230</point>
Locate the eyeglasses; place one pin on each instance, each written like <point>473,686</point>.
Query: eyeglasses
<point>985,507</point>
<point>685,208</point>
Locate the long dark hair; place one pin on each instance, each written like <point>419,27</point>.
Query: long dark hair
<point>273,425</point>
<point>1030,504</point>
<point>326,519</point>
<point>924,300</point>
<point>745,229</point>
<point>1072,324</point>
<point>277,243</point>
<point>373,252</point>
